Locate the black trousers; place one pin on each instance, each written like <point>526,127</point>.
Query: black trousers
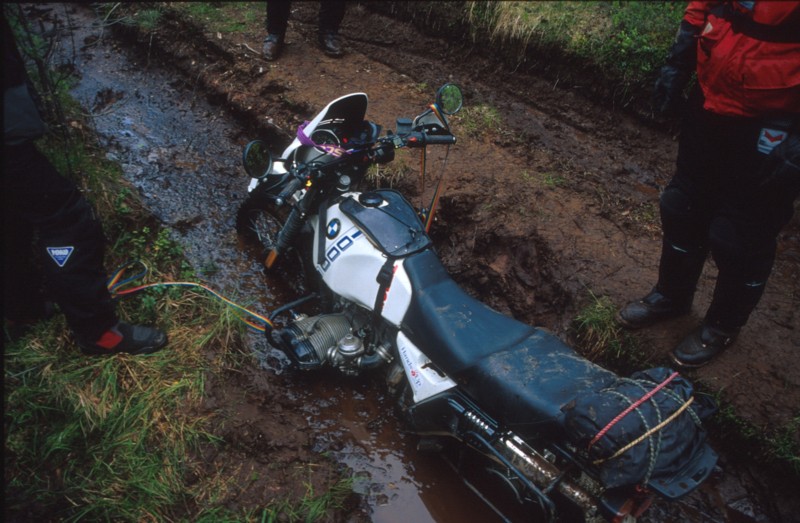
<point>331,14</point>
<point>51,240</point>
<point>717,203</point>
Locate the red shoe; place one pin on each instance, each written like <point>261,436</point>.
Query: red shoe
<point>124,337</point>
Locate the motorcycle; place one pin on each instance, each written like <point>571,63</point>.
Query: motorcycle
<point>566,439</point>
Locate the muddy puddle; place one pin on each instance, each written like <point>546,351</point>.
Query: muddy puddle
<point>183,156</point>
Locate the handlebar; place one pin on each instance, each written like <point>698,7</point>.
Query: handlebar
<point>291,187</point>
<point>381,152</point>
<point>417,139</point>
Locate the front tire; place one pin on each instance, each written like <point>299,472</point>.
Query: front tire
<point>259,220</point>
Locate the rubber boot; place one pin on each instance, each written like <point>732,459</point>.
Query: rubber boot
<point>679,270</point>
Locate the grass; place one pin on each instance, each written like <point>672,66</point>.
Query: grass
<point>113,439</point>
<point>624,43</point>
<point>777,447</point>
<point>224,17</point>
<point>313,507</point>
<point>477,121</point>
<point>392,173</point>
<point>599,335</point>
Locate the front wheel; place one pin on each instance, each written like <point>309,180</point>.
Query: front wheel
<point>258,223</point>
<point>259,220</point>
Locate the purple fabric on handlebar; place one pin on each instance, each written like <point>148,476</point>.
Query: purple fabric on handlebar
<point>333,150</point>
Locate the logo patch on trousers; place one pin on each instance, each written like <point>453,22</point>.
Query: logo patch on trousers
<point>60,255</point>
<point>768,139</point>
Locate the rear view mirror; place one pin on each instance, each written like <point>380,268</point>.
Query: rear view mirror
<point>257,159</point>
<point>449,99</point>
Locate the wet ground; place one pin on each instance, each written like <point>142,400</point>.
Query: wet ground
<point>556,203</point>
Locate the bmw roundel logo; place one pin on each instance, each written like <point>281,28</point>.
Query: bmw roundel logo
<point>334,226</point>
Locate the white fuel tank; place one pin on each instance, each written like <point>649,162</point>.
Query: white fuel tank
<point>362,231</point>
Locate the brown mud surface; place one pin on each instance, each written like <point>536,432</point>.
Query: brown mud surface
<point>557,204</point>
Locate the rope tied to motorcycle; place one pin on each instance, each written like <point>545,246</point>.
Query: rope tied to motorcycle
<point>647,434</point>
<point>627,411</point>
<point>252,319</point>
<point>649,393</point>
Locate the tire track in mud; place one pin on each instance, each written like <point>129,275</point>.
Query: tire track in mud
<point>526,248</point>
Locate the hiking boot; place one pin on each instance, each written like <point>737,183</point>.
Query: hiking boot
<point>124,337</point>
<point>651,309</point>
<point>329,42</point>
<point>273,45</point>
<point>702,345</point>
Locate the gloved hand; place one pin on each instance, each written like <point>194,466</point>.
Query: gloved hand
<point>668,92</point>
<point>780,172</point>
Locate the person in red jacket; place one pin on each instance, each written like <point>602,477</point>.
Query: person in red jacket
<point>738,165</point>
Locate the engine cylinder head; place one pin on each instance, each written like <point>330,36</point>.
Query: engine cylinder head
<point>308,341</point>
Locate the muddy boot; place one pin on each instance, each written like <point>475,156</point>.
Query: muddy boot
<point>329,42</point>
<point>702,345</point>
<point>124,337</point>
<point>273,46</point>
<point>651,309</point>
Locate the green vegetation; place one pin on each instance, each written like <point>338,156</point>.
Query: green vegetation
<point>599,335</point>
<point>224,17</point>
<point>115,439</point>
<point>477,120</point>
<point>553,180</point>
<point>776,446</point>
<point>623,43</point>
<point>611,50</point>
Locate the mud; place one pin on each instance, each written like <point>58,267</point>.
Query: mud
<point>554,205</point>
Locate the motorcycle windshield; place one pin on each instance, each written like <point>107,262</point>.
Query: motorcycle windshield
<point>347,112</point>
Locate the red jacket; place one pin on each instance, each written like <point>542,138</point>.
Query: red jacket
<point>743,75</point>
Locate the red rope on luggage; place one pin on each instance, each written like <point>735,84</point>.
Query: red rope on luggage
<point>629,409</point>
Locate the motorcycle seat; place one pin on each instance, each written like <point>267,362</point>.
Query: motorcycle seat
<point>456,329</point>
<point>523,375</point>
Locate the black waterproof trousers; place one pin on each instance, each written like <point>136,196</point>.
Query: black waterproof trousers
<point>717,202</point>
<point>51,239</point>
<point>331,14</point>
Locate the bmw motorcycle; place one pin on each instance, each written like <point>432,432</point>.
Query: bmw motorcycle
<point>511,404</point>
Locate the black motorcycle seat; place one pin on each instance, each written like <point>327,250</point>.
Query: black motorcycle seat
<point>521,374</point>
<point>456,329</point>
<point>525,386</point>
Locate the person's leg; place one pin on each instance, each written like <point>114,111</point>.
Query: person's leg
<point>331,14</point>
<point>743,241</point>
<point>687,206</point>
<point>71,245</point>
<point>277,17</point>
<point>276,22</point>
<point>70,238</point>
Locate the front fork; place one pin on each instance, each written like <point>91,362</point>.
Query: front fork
<point>287,234</point>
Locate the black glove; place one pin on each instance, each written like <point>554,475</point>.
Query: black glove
<point>668,92</point>
<point>780,172</point>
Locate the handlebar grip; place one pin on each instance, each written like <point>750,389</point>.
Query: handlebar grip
<point>293,185</point>
<point>435,139</point>
<point>422,139</point>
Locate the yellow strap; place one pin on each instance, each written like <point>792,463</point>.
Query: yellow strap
<point>647,434</point>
